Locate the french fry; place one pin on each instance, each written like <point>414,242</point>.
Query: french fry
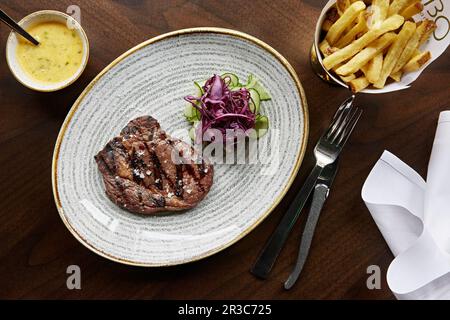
<point>407,53</point>
<point>412,10</point>
<point>374,68</point>
<point>429,27</point>
<point>394,52</point>
<point>417,62</point>
<point>358,84</point>
<point>342,5</point>
<point>323,47</point>
<point>344,21</point>
<point>398,5</point>
<point>350,26</point>
<point>365,69</point>
<point>348,78</point>
<point>332,50</point>
<point>334,69</point>
<point>379,12</point>
<point>331,17</point>
<point>397,76</point>
<point>365,46</point>
<point>359,27</point>
<point>364,56</point>
<point>353,48</point>
<point>413,44</point>
<point>326,49</point>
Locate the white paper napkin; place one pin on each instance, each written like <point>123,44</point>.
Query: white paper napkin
<point>414,218</point>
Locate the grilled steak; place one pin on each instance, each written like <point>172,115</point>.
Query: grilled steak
<point>140,175</point>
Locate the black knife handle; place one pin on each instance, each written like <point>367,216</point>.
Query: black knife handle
<point>269,254</point>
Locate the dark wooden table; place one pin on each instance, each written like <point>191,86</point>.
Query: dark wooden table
<point>36,247</point>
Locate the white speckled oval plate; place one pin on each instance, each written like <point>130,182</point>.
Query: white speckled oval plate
<point>152,79</point>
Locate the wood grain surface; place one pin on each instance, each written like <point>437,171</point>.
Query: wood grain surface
<point>36,248</point>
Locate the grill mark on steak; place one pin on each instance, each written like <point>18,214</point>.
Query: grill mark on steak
<point>139,174</point>
<point>163,174</point>
<point>138,167</point>
<point>119,184</point>
<point>179,181</point>
<point>140,198</point>
<point>117,145</point>
<point>196,171</point>
<point>108,158</point>
<point>159,202</point>
<point>130,130</point>
<point>101,161</point>
<point>157,170</point>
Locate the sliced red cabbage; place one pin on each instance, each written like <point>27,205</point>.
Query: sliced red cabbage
<point>222,103</point>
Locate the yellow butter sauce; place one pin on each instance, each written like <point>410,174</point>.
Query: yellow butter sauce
<point>58,56</point>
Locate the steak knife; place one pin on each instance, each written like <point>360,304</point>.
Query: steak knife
<point>320,195</point>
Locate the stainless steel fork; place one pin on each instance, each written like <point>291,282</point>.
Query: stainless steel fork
<point>326,152</point>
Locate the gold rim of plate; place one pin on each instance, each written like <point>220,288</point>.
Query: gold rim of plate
<point>299,156</point>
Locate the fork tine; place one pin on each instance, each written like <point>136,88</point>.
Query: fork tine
<point>349,127</point>
<point>338,116</point>
<point>342,124</point>
<point>347,103</point>
<point>337,122</point>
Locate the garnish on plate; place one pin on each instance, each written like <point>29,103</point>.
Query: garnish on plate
<point>224,103</point>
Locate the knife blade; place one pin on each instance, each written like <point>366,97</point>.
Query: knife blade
<point>320,195</point>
